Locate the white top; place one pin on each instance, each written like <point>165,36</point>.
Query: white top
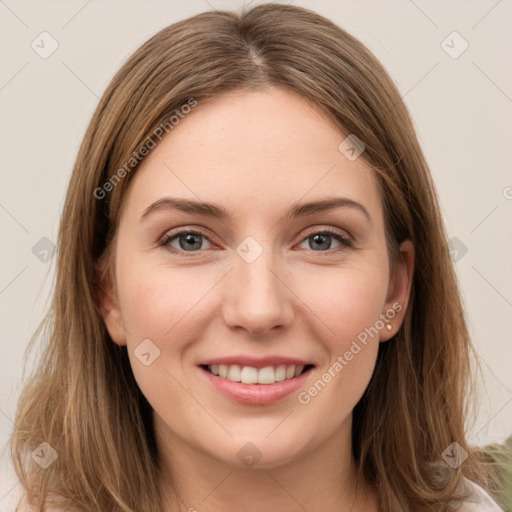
<point>480,501</point>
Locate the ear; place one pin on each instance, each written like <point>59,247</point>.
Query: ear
<point>109,307</point>
<point>399,290</point>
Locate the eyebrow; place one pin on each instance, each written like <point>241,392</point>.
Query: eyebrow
<point>216,211</point>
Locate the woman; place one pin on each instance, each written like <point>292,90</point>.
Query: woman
<point>313,352</point>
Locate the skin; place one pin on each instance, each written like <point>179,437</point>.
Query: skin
<point>256,154</point>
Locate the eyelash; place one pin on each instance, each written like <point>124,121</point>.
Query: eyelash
<point>164,242</point>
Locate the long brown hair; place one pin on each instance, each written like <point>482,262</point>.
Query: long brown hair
<point>83,399</point>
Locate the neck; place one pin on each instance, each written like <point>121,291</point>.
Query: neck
<point>322,479</point>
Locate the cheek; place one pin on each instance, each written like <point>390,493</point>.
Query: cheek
<point>174,307</point>
<point>332,395</point>
<point>163,302</point>
<point>161,305</point>
<point>159,300</point>
<point>346,299</point>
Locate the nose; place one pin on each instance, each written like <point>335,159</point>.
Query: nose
<point>258,297</point>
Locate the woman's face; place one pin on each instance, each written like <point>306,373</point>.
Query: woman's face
<point>260,286</point>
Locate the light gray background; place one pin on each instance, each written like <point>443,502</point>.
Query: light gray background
<point>461,109</point>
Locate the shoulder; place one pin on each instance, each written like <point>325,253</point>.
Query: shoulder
<point>479,501</point>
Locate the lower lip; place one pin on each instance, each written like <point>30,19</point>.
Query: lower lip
<point>256,394</point>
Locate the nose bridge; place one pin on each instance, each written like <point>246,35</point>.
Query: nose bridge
<point>258,300</point>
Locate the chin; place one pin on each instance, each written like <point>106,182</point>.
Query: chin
<point>258,453</point>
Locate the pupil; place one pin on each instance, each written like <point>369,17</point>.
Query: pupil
<point>319,238</point>
<point>189,239</point>
<point>196,243</point>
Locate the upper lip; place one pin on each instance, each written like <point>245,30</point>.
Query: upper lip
<point>256,362</point>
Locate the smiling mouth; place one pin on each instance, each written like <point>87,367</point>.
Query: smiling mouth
<point>252,375</point>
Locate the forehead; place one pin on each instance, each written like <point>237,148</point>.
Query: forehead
<point>253,152</point>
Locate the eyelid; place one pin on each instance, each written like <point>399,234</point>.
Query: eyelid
<point>176,232</point>
<point>190,229</point>
<point>330,230</point>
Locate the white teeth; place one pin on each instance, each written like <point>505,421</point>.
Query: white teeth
<point>280,373</point>
<point>234,373</point>
<point>266,375</point>
<point>251,375</point>
<point>223,371</point>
